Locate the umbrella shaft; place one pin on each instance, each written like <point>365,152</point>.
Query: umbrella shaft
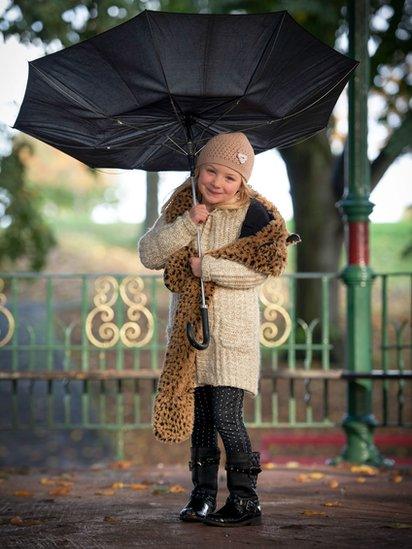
<point>199,245</point>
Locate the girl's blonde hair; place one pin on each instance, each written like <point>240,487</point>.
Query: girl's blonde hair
<point>244,193</point>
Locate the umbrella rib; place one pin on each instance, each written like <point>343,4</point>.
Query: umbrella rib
<point>219,117</point>
<point>115,70</point>
<point>177,145</point>
<point>251,79</point>
<point>64,90</point>
<point>319,98</point>
<point>268,43</point>
<point>261,57</point>
<point>271,121</point>
<point>300,140</point>
<point>163,72</point>
<point>155,150</point>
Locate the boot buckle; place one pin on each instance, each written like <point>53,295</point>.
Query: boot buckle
<point>204,461</point>
<point>193,463</point>
<point>250,505</point>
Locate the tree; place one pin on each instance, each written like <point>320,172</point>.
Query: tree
<point>24,233</point>
<point>152,200</point>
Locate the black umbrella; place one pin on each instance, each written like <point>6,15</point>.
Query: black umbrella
<point>150,92</point>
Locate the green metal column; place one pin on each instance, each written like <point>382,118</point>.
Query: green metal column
<point>359,422</point>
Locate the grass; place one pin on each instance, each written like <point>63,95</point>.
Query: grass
<point>388,241</point>
<point>123,235</point>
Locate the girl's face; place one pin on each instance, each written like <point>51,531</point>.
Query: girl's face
<point>218,184</point>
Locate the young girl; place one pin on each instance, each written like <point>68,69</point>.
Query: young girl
<point>229,367</point>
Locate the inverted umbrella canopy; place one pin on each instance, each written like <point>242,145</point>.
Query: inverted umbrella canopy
<point>150,92</point>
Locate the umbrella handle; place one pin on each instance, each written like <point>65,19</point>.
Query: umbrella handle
<point>205,327</point>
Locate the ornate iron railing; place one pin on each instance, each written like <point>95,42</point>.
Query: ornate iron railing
<point>84,351</point>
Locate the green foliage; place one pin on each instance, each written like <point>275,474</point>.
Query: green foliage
<point>74,227</point>
<point>72,21</point>
<point>388,246</point>
<point>23,231</point>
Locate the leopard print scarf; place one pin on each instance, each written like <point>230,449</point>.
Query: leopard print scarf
<point>264,252</point>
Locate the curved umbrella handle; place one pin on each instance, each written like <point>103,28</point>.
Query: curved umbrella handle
<point>205,328</point>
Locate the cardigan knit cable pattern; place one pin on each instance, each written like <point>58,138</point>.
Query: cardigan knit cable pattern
<point>241,248</point>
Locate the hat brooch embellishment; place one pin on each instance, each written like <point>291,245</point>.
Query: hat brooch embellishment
<point>242,157</point>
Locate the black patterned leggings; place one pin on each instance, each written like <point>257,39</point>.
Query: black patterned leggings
<point>220,410</point>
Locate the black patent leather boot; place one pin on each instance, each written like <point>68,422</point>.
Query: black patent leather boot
<point>204,465</point>
<point>242,506</point>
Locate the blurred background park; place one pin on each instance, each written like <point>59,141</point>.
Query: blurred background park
<point>69,233</point>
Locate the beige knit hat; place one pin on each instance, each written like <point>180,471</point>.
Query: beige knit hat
<point>232,150</point>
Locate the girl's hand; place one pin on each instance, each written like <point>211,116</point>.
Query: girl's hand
<point>196,265</point>
<point>198,213</point>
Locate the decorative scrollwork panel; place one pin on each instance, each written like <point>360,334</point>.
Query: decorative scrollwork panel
<point>108,333</point>
<point>10,326</point>
<point>277,324</point>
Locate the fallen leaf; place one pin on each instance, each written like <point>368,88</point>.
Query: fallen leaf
<point>104,492</point>
<point>332,504</point>
<point>333,483</point>
<point>366,469</point>
<point>316,475</point>
<point>303,477</point>
<point>397,478</point>
<point>176,489</point>
<point>310,513</point>
<point>45,481</point>
<point>292,464</point>
<point>112,520</point>
<point>138,486</point>
<point>117,485</point>
<point>23,493</point>
<point>361,480</point>
<point>120,464</point>
<point>269,465</point>
<point>60,490</point>
<point>18,521</point>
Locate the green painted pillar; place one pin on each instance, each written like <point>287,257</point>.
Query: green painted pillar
<point>359,422</point>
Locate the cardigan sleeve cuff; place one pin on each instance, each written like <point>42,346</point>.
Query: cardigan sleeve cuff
<point>207,261</point>
<point>230,274</point>
<point>189,225</point>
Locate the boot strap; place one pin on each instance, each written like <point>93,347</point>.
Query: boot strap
<point>199,492</point>
<point>254,470</point>
<point>248,503</point>
<point>212,460</point>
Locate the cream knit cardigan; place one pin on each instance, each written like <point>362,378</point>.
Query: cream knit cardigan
<point>233,355</point>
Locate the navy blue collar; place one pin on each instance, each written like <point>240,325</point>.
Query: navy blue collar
<point>257,217</point>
